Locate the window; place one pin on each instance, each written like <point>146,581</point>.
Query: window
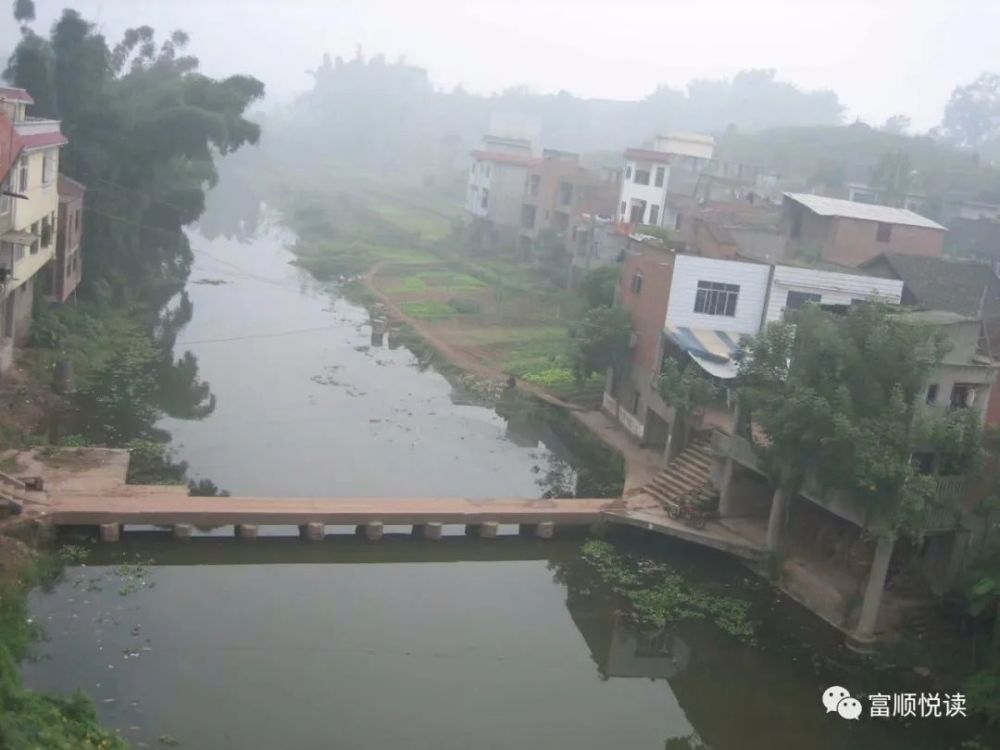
<point>661,173</point>
<point>5,200</point>
<point>677,223</point>
<point>932,393</point>
<point>472,169</point>
<point>628,171</point>
<point>565,193</point>
<point>654,214</point>
<point>636,285</point>
<point>641,176</point>
<point>624,209</point>
<point>962,395</point>
<point>798,300</point>
<point>22,184</point>
<point>713,298</point>
<point>528,215</point>
<point>884,232</point>
<point>536,180</point>
<point>486,199</point>
<point>46,168</point>
<point>76,220</point>
<point>638,212</point>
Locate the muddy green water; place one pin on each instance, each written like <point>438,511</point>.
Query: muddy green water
<point>465,643</point>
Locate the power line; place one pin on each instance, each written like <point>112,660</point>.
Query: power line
<point>277,334</point>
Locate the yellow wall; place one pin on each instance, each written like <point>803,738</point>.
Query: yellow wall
<point>42,201</point>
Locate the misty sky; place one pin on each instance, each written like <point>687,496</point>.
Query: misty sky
<point>880,56</point>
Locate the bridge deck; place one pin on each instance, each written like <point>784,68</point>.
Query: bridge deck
<point>168,508</point>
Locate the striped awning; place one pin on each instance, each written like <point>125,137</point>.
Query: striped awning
<point>714,351</point>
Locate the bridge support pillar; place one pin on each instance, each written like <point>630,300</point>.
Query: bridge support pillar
<point>545,529</point>
<point>246,530</point>
<point>432,530</point>
<point>182,531</point>
<point>373,531</point>
<point>110,532</point>
<point>485,530</point>
<point>314,532</point>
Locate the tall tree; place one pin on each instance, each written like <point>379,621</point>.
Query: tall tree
<point>834,400</point>
<point>972,115</point>
<point>144,126</point>
<point>894,177</point>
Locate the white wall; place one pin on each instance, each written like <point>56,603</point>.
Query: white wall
<point>477,181</point>
<point>699,146</point>
<point>833,288</point>
<point>752,279</point>
<point>650,193</point>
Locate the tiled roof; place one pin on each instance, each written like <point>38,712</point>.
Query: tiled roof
<point>960,286</point>
<point>824,206</point>
<point>12,94</point>
<point>645,154</point>
<point>69,189</point>
<point>42,140</point>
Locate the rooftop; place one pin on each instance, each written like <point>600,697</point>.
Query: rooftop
<point>961,286</point>
<point>503,157</point>
<point>824,206</point>
<point>13,94</point>
<point>69,189</point>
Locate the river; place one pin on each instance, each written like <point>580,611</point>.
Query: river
<point>219,645</point>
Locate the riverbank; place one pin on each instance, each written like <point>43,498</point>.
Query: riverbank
<point>31,719</point>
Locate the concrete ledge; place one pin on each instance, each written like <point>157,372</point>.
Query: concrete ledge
<point>182,531</point>
<point>110,532</point>
<point>246,531</point>
<point>314,532</point>
<point>678,530</point>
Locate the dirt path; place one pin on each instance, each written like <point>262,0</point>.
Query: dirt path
<point>456,355</point>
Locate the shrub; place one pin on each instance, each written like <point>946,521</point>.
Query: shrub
<point>465,306</point>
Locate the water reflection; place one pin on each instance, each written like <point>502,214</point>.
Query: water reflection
<point>465,642</point>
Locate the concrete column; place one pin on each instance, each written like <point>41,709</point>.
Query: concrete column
<point>545,529</point>
<point>182,531</point>
<point>726,487</point>
<point>865,630</point>
<point>373,531</point>
<point>432,530</point>
<point>110,532</point>
<point>487,529</point>
<point>246,530</point>
<point>314,531</point>
<point>776,521</point>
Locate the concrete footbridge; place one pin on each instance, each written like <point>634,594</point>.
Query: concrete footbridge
<point>87,487</point>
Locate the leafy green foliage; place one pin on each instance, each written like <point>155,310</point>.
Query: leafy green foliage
<point>143,126</point>
<point>601,339</point>
<point>834,399</point>
<point>29,719</point>
<point>973,111</point>
<point>597,287</point>
<point>685,388</point>
<point>658,596</point>
<point>894,176</point>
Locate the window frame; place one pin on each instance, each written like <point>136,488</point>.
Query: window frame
<point>716,298</point>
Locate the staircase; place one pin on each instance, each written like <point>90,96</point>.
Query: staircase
<point>687,474</point>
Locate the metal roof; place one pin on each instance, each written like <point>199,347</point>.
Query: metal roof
<point>824,206</point>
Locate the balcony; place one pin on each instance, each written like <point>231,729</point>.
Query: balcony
<point>37,126</point>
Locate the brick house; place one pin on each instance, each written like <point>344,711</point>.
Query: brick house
<point>849,234</point>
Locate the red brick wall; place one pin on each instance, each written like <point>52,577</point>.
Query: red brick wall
<point>993,406</point>
<point>852,242</point>
<point>649,307</point>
